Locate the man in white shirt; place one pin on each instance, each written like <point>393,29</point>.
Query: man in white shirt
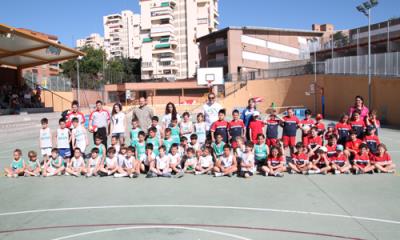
<point>210,111</point>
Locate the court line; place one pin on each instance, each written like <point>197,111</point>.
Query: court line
<point>203,207</point>
<point>181,225</point>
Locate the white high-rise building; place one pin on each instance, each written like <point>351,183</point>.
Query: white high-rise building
<point>122,35</point>
<point>94,40</point>
<point>169,29</point>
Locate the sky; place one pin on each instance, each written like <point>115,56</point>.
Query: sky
<point>74,19</point>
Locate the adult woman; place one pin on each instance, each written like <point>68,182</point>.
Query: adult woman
<point>118,123</point>
<point>170,111</point>
<point>247,114</point>
<point>74,113</point>
<point>359,104</point>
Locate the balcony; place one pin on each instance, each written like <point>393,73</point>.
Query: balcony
<point>162,30</point>
<point>217,62</point>
<point>217,47</point>
<point>166,57</point>
<point>147,66</point>
<point>167,66</point>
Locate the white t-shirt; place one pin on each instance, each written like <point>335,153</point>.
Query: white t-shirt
<point>93,162</point>
<point>196,146</point>
<point>205,161</point>
<point>121,160</point>
<point>191,161</point>
<point>200,130</point>
<point>174,159</point>
<point>128,162</point>
<point>186,128</point>
<point>162,162</point>
<point>226,161</point>
<point>118,120</point>
<point>80,137</point>
<point>77,163</point>
<point>248,158</point>
<point>166,120</point>
<point>211,113</point>
<point>62,138</point>
<point>144,159</point>
<point>116,146</point>
<point>111,162</point>
<point>45,138</point>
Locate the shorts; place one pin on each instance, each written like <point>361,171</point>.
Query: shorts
<point>272,142</point>
<point>118,135</point>
<point>64,152</point>
<point>321,165</point>
<point>340,164</point>
<point>259,164</point>
<point>289,141</point>
<point>46,151</point>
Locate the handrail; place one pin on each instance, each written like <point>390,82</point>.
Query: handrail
<point>59,96</point>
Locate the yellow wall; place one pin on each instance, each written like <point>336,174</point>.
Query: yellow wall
<point>339,94</point>
<point>60,101</point>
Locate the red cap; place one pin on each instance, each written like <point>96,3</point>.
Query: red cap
<point>319,116</point>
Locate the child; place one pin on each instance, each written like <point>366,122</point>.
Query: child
<point>154,140</point>
<point>372,140</point>
<point>154,124</point>
<point>110,165</point>
<point>275,164</point>
<point>77,165</point>
<point>343,129</point>
<point>357,124</point>
<point>272,123</point>
<point>175,131</point>
<point>167,141</point>
<point>101,148</point>
<point>331,147</point>
<point>205,163</point>
<point>289,124</point>
<point>93,165</point>
<point>115,144</point>
<point>236,128</point>
<point>320,162</point>
<point>218,146</point>
<point>45,139</point>
<point>256,127</point>
<point>300,160</point>
<point>383,161</point>
<point>162,163</point>
<point>313,141</point>
<point>260,152</point>
<point>372,121</point>
<point>190,162</point>
<point>319,124</point>
<point>362,161</point>
<point>140,146</point>
<point>186,126</point>
<point>240,148</point>
<point>220,127</point>
<point>193,143</point>
<point>17,166</point>
<point>247,165</point>
<point>121,157</point>
<point>62,139</point>
<point>353,145</point>
<point>147,160</point>
<point>175,161</point>
<point>331,131</point>
<point>79,136</point>
<point>55,165</point>
<point>134,133</point>
<point>33,165</point>
<point>340,163</point>
<point>200,128</point>
<point>306,124</point>
<point>226,164</point>
<point>183,146</point>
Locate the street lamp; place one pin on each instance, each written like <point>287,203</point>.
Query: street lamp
<point>78,78</point>
<point>314,42</point>
<point>365,8</point>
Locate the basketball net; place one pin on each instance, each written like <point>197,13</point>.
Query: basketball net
<point>209,84</point>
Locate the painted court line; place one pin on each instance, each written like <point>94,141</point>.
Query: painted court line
<point>204,207</point>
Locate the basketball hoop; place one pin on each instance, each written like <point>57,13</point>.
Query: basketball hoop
<point>209,84</point>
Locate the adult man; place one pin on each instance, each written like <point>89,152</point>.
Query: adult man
<point>101,119</point>
<point>210,111</point>
<point>143,114</point>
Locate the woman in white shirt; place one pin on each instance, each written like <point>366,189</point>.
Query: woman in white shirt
<point>118,123</point>
<point>170,110</point>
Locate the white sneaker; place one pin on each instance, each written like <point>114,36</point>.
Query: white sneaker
<point>337,172</point>
<point>218,174</point>
<point>120,175</point>
<point>197,173</point>
<point>66,174</point>
<point>278,174</point>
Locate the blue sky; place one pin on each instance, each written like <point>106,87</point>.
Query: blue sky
<point>73,19</point>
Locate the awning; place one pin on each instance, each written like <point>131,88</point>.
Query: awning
<point>22,49</point>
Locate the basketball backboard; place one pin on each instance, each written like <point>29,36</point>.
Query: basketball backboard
<point>210,76</point>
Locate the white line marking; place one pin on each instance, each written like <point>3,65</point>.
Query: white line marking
<point>152,227</point>
<point>204,207</point>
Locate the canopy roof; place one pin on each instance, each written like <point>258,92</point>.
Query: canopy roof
<point>23,48</point>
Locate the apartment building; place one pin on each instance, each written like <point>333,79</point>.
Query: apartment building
<point>93,40</point>
<point>122,35</point>
<point>246,49</point>
<point>169,29</point>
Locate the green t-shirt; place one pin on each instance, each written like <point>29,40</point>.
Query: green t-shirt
<point>134,136</point>
<point>156,144</point>
<point>175,134</point>
<point>140,149</point>
<point>260,152</point>
<point>218,148</point>
<point>168,143</point>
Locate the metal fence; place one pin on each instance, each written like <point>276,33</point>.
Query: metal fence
<point>383,64</point>
<point>53,83</point>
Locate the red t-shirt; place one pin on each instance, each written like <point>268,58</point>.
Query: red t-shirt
<point>256,128</point>
<point>313,141</point>
<point>354,145</point>
<point>331,153</point>
<point>275,160</point>
<point>300,158</point>
<point>321,127</point>
<point>362,160</point>
<point>309,122</point>
<point>339,158</point>
<point>385,158</point>
<point>236,128</point>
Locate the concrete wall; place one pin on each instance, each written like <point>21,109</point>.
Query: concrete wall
<point>339,94</point>
<point>87,97</point>
<point>60,101</point>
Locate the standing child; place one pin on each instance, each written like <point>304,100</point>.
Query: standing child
<point>343,129</point>
<point>226,164</point>
<point>162,163</point>
<point>362,161</point>
<point>17,166</point>
<point>140,146</point>
<point>62,139</point>
<point>79,136</point>
<point>340,163</point>
<point>200,129</point>
<point>275,164</point>
<point>115,144</point>
<point>306,124</point>
<point>247,165</point>
<point>175,131</point>
<point>77,165</point>
<point>190,161</point>
<point>218,146</point>
<point>175,161</point>
<point>186,125</point>
<point>102,149</point>
<point>289,124</point>
<point>220,127</point>
<point>205,163</point>
<point>256,127</point>
<point>93,165</point>
<point>272,123</point>
<point>110,165</point>
<point>168,141</point>
<point>300,160</point>
<point>260,152</point>
<point>55,165</point>
<point>33,165</point>
<point>382,161</point>
<point>357,124</point>
<point>134,133</point>
<point>153,139</point>
<point>154,124</point>
<point>319,124</point>
<point>45,139</point>
<point>320,162</point>
<point>236,128</point>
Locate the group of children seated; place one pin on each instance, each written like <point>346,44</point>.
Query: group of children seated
<point>350,146</point>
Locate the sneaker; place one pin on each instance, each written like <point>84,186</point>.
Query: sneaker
<point>167,175</point>
<point>346,172</point>
<point>218,174</point>
<point>26,175</point>
<point>230,175</point>
<point>120,175</point>
<point>358,172</point>
<point>66,174</point>
<point>304,172</point>
<point>323,172</point>
<point>337,172</point>
<point>378,171</point>
<point>278,174</point>
<point>265,174</point>
<point>135,175</point>
<point>246,175</point>
<point>102,174</point>
<point>109,173</point>
<point>197,173</point>
<point>149,175</point>
<point>37,174</point>
<point>179,174</point>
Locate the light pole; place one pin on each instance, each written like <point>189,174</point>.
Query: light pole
<point>365,8</point>
<point>78,78</point>
<point>314,41</point>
